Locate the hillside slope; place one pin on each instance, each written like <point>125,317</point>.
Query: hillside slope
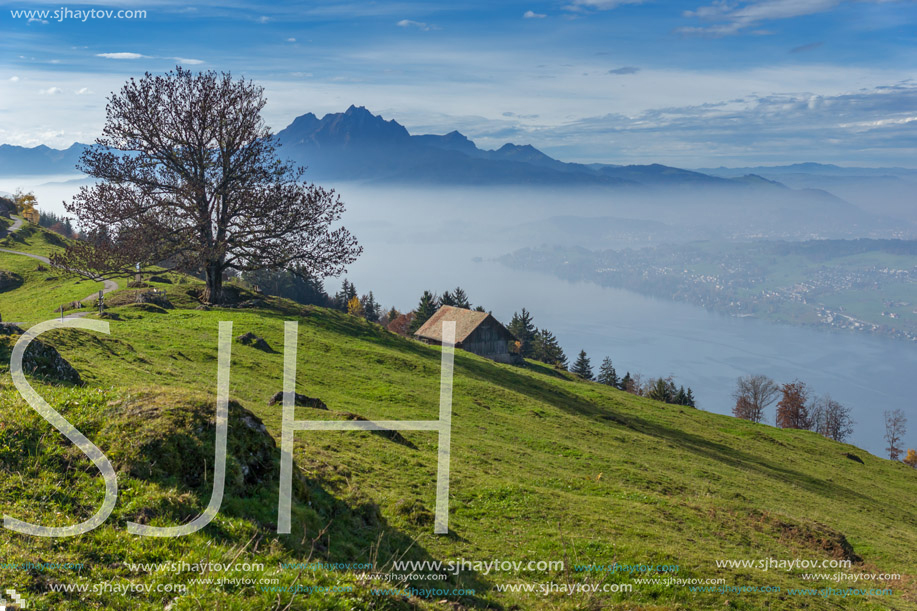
<point>544,468</point>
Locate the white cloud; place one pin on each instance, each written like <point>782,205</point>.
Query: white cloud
<point>51,91</point>
<point>185,60</point>
<point>14,79</point>
<point>291,39</point>
<point>83,91</point>
<point>121,55</point>
<point>599,5</point>
<point>263,19</point>
<point>409,23</point>
<point>733,18</point>
<point>533,15</point>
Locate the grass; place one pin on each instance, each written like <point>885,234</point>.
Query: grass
<point>42,290</point>
<point>544,467</point>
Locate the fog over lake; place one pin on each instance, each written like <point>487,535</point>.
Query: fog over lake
<point>415,240</point>
<point>437,239</point>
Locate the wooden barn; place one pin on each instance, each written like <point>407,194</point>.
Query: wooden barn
<point>476,332</point>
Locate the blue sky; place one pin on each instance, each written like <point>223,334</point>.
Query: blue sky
<point>697,83</point>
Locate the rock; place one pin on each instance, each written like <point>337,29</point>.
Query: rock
<point>250,339</point>
<point>158,298</point>
<point>9,280</point>
<point>302,400</point>
<point>390,435</point>
<point>40,359</point>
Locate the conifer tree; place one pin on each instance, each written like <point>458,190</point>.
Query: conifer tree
<point>607,373</point>
<point>582,367</point>
<point>681,397</point>
<point>427,307</point>
<point>660,390</point>
<point>523,328</point>
<point>546,348</point>
<point>460,298</point>
<point>371,308</point>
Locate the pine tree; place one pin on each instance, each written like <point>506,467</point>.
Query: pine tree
<point>582,367</point>
<point>425,309</point>
<point>660,390</point>
<point>447,299</point>
<point>681,397</point>
<point>342,298</point>
<point>627,383</point>
<point>461,298</point>
<point>671,390</point>
<point>546,348</point>
<point>524,329</point>
<point>607,373</point>
<point>371,308</point>
<point>689,398</point>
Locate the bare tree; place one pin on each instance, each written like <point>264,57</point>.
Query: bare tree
<point>895,428</point>
<point>188,173</point>
<point>793,409</point>
<point>753,395</point>
<point>831,419</point>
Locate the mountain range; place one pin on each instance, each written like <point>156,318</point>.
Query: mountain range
<point>357,145</point>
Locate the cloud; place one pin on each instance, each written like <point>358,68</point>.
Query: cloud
<point>625,70</point>
<point>263,19</point>
<point>804,48</point>
<point>409,23</point>
<point>51,91</point>
<point>736,17</point>
<point>598,5</point>
<point>121,55</point>
<point>129,56</point>
<point>14,79</point>
<point>533,15</point>
<point>778,126</point>
<point>83,91</point>
<point>291,39</point>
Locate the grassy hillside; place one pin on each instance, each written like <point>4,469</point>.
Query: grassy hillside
<point>544,468</point>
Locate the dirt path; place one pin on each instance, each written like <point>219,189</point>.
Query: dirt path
<point>110,285</point>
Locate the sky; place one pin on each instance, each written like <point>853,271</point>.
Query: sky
<point>697,83</point>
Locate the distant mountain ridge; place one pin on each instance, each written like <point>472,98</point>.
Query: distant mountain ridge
<point>356,145</point>
<point>16,160</point>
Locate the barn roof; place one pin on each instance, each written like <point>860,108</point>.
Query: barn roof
<point>466,321</point>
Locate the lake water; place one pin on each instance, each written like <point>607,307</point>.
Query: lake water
<point>701,349</point>
<point>430,240</point>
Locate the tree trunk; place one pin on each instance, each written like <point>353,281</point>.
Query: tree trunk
<point>214,293</point>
